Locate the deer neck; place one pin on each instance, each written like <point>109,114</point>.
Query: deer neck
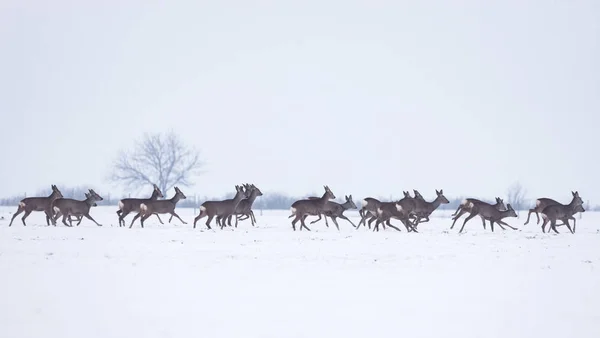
<point>154,196</point>
<point>435,203</point>
<point>503,214</point>
<point>175,199</point>
<point>346,205</point>
<point>89,201</point>
<point>53,195</point>
<point>252,197</point>
<point>573,204</point>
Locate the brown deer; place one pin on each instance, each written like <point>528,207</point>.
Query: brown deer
<point>542,203</point>
<point>555,212</point>
<point>30,204</point>
<point>70,207</point>
<point>336,210</point>
<point>79,218</point>
<point>490,213</point>
<point>465,206</point>
<point>160,207</point>
<point>369,210</point>
<point>401,210</point>
<point>307,207</point>
<point>423,209</point>
<point>244,208</point>
<point>221,209</point>
<point>129,205</point>
<point>565,220</point>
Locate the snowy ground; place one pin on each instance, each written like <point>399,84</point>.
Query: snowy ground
<point>268,281</point>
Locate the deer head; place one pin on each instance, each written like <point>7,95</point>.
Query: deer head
<point>350,202</point>
<point>441,197</point>
<point>501,205</point>
<point>157,191</point>
<point>328,193</point>
<point>179,194</point>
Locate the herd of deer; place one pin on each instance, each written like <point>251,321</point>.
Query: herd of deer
<point>410,211</point>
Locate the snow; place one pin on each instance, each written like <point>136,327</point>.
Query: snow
<point>174,281</point>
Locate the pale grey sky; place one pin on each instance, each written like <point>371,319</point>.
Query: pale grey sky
<point>369,97</point>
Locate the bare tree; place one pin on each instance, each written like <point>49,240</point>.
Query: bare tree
<point>516,196</point>
<point>158,159</point>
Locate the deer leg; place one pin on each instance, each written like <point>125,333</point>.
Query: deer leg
<point>19,210</point>
<point>200,215</point>
<point>553,225</point>
<point>538,217</point>
<point>318,219</point>
<point>457,210</point>
<point>500,225</point>
<point>302,225</point>
<point>138,215</point>
<point>455,218</point>
<point>87,215</point>
<point>544,225</point>
<point>334,222</point>
<point>64,220</point>
<point>294,221</point>
<point>569,227</point>
<point>506,224</point>
<point>160,220</point>
<point>392,226</point>
<point>208,221</point>
<point>492,225</point>
<point>179,218</point>
<point>170,218</point>
<point>574,222</point>
<point>529,215</point>
<point>27,213</point>
<point>409,227</point>
<point>122,217</point>
<point>119,212</point>
<point>371,220</point>
<point>347,219</point>
<point>466,220</point>
<point>144,217</point>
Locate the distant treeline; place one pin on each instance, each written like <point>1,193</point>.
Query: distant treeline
<point>269,201</point>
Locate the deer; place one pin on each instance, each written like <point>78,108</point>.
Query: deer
<point>309,207</point>
<point>542,203</point>
<point>79,218</point>
<point>465,206</point>
<point>221,209</point>
<point>369,210</point>
<point>490,213</point>
<point>402,210</point>
<point>160,207</point>
<point>30,204</point>
<point>336,210</point>
<point>565,220</point>
<point>128,205</point>
<point>554,212</point>
<point>423,209</point>
<point>244,208</point>
<point>70,207</point>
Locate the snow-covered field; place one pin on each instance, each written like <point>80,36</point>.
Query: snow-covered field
<point>268,281</point>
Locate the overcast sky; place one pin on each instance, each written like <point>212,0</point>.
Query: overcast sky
<point>369,97</point>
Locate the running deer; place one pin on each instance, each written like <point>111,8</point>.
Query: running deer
<point>369,210</point>
<point>465,206</point>
<point>423,209</point>
<point>221,209</point>
<point>160,207</point>
<point>307,207</point>
<point>79,218</point>
<point>565,220</point>
<point>31,204</point>
<point>67,207</point>
<point>244,208</point>
<point>401,210</point>
<point>542,203</point>
<point>129,205</point>
<point>555,212</point>
<point>336,210</point>
<point>490,213</point>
